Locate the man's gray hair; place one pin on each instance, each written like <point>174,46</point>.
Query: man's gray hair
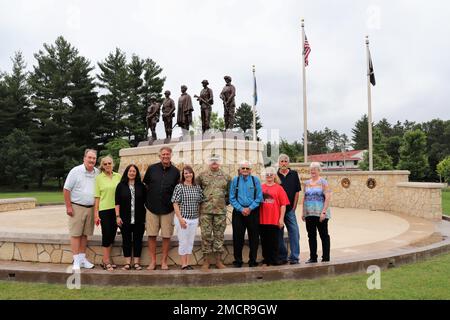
<point>283,157</point>
<point>245,164</point>
<point>166,149</point>
<point>90,150</point>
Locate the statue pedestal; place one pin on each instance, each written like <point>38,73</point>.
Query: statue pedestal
<point>195,151</point>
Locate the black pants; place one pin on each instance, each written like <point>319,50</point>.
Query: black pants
<point>132,239</point>
<point>313,224</point>
<point>241,223</point>
<point>269,243</point>
<point>109,226</point>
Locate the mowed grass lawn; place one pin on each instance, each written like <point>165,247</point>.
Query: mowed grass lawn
<point>446,201</point>
<point>42,197</point>
<point>429,279</point>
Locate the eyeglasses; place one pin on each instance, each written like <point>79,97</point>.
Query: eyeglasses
<point>107,163</point>
<point>245,168</point>
<point>269,175</point>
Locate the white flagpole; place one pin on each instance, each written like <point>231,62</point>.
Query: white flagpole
<point>305,119</point>
<point>254,106</point>
<point>369,101</point>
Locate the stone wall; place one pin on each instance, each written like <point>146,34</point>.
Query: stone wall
<point>17,204</point>
<point>196,153</point>
<point>419,199</point>
<point>61,253</point>
<point>391,192</point>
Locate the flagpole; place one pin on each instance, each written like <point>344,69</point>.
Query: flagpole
<point>305,119</point>
<point>369,102</point>
<point>254,105</point>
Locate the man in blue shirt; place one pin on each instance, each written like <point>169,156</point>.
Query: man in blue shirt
<point>245,197</point>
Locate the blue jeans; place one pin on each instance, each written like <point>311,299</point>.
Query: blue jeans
<point>290,221</point>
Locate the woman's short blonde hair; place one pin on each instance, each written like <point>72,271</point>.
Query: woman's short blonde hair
<point>271,170</point>
<point>315,165</point>
<point>102,166</point>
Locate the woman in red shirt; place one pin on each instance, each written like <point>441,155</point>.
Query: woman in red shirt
<point>271,216</point>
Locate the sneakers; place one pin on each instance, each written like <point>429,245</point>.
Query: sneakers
<point>80,261</point>
<point>86,264</point>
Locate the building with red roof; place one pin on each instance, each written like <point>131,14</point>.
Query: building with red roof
<point>339,161</point>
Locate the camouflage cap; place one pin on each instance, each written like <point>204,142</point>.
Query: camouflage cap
<point>214,158</point>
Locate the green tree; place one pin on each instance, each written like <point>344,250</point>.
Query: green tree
<point>293,150</point>
<point>129,88</point>
<point>360,134</point>
<point>413,154</point>
<point>15,98</point>
<point>64,108</point>
<point>381,159</point>
<point>317,142</point>
<point>438,144</point>
<point>112,148</point>
<point>243,118</point>
<point>443,169</point>
<point>115,80</point>
<point>18,159</point>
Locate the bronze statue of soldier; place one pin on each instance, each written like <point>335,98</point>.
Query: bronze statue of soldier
<point>227,95</point>
<point>153,118</point>
<point>206,101</point>
<point>168,112</point>
<point>185,109</point>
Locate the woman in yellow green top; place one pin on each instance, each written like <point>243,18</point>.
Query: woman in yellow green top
<point>104,208</point>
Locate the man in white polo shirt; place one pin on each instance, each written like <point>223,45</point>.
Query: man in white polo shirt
<point>79,198</point>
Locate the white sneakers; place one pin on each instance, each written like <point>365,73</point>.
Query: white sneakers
<point>80,261</point>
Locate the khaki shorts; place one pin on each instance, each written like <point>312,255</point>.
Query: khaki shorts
<point>154,222</point>
<point>82,221</point>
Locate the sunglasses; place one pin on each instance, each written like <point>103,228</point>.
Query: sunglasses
<point>107,163</point>
<point>245,168</point>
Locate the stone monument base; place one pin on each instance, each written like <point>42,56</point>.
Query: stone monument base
<point>195,151</point>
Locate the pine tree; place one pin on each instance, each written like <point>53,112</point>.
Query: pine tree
<point>381,159</point>
<point>243,118</point>
<point>413,154</point>
<point>360,134</point>
<point>18,159</point>
<point>15,98</point>
<point>129,89</point>
<point>64,108</point>
<point>115,79</point>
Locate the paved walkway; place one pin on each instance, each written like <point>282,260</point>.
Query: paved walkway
<point>352,231</point>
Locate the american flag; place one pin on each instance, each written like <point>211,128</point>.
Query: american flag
<point>306,50</point>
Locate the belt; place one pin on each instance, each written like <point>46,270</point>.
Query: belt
<point>82,205</point>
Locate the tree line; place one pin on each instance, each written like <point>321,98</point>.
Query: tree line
<point>50,114</point>
<point>417,147</point>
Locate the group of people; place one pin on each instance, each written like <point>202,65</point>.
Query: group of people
<point>166,199</point>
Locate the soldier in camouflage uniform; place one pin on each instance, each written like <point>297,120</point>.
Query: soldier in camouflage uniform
<point>213,219</point>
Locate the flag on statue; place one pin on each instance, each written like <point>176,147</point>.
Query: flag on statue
<point>371,73</point>
<point>306,51</point>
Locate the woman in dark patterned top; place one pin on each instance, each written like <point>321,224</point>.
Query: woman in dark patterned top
<point>130,214</point>
<point>186,199</point>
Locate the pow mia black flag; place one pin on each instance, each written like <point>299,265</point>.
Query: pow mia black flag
<point>371,73</point>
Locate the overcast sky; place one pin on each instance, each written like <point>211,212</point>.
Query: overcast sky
<point>199,39</point>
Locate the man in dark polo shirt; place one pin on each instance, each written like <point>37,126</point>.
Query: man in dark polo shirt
<point>160,180</point>
<point>291,184</point>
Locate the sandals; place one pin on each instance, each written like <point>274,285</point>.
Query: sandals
<point>107,266</point>
<point>188,267</point>
<point>137,266</point>
<point>126,267</point>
